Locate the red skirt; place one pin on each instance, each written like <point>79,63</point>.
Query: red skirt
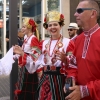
<point>51,87</point>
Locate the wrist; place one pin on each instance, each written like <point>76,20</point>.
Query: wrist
<point>22,53</point>
<point>84,91</point>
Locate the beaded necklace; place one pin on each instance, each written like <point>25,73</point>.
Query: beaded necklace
<point>51,59</point>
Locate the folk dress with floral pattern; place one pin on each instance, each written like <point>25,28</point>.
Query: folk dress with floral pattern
<point>51,85</point>
<point>27,83</point>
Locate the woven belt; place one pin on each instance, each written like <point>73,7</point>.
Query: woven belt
<point>51,69</point>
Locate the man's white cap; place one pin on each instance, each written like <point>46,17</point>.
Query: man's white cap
<point>73,26</point>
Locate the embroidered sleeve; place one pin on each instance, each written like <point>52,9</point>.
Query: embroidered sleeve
<point>68,69</point>
<point>34,57</point>
<point>70,47</point>
<point>35,48</point>
<point>94,89</point>
<point>71,67</point>
<point>29,60</point>
<point>84,91</point>
<point>72,61</point>
<point>69,52</point>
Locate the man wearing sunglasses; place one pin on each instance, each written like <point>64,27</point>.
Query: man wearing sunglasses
<point>72,31</point>
<point>84,66</point>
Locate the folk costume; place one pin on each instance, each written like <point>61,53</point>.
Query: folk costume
<point>85,63</point>
<point>27,77</point>
<point>52,81</point>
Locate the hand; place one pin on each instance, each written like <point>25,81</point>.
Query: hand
<point>7,40</point>
<point>18,50</point>
<point>61,56</point>
<point>75,95</point>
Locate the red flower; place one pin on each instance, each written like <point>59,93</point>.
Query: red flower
<point>62,17</point>
<point>45,19</point>
<point>31,22</point>
<point>17,91</point>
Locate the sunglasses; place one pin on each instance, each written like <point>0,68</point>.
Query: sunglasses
<point>70,29</point>
<point>81,10</point>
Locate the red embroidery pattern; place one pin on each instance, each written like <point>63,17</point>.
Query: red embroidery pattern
<point>45,90</point>
<point>86,44</point>
<point>87,39</point>
<point>84,91</point>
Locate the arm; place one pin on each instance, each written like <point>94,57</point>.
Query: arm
<point>7,40</point>
<point>32,61</point>
<point>29,59</point>
<point>93,88</point>
<point>70,67</point>
<point>89,90</point>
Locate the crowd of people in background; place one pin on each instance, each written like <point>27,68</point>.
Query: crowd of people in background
<point>45,66</point>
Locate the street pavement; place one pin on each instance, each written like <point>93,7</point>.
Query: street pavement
<point>4,87</point>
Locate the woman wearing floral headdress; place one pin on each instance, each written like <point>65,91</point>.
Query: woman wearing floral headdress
<point>54,52</point>
<point>27,60</point>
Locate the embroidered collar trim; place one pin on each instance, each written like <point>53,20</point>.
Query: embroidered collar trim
<point>91,31</point>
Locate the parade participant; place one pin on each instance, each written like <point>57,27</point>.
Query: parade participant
<point>85,63</point>
<point>27,59</point>
<point>53,78</point>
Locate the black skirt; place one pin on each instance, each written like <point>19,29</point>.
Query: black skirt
<point>28,84</point>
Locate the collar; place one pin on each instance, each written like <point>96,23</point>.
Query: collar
<point>92,30</point>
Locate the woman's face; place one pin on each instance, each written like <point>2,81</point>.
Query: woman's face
<point>24,29</point>
<point>54,28</point>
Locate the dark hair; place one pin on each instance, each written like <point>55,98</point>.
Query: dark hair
<point>61,23</point>
<point>45,25</point>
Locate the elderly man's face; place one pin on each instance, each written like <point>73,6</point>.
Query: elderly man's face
<point>84,16</point>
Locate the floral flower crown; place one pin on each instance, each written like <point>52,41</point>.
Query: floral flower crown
<point>53,16</point>
<point>30,23</point>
